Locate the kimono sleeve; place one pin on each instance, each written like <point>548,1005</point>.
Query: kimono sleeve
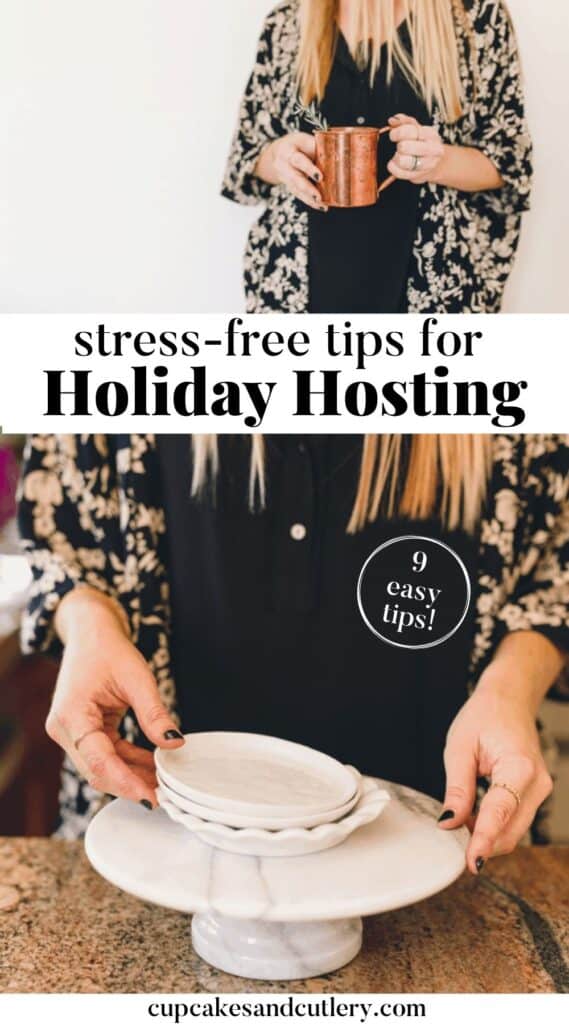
<point>540,598</point>
<point>501,130</point>
<point>258,124</point>
<point>66,502</point>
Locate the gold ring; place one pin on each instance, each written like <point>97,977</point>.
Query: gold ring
<point>509,789</point>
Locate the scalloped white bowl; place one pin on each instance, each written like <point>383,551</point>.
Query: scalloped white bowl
<point>288,842</point>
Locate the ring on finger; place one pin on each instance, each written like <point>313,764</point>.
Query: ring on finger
<point>416,164</point>
<point>509,789</point>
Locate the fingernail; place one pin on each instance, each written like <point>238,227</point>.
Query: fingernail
<point>446,815</point>
<point>173,734</point>
<point>479,864</point>
<point>146,804</point>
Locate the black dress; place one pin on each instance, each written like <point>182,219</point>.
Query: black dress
<point>267,636</point>
<point>358,259</point>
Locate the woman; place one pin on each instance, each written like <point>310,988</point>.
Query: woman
<point>445,75</point>
<point>241,612</point>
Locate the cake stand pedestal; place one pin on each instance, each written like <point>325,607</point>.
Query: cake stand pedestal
<point>279,918</point>
<point>272,951</point>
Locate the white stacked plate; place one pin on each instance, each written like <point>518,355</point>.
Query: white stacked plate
<point>262,796</point>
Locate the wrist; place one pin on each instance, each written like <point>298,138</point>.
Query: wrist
<point>86,610</point>
<point>503,686</point>
<point>265,166</point>
<point>523,669</point>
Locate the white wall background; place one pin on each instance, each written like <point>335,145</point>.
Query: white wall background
<point>115,120</point>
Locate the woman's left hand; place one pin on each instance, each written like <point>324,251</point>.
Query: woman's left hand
<point>420,150</point>
<point>495,736</point>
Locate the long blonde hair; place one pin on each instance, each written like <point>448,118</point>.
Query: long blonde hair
<point>432,67</point>
<point>447,476</point>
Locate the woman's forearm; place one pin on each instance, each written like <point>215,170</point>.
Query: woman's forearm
<point>466,169</point>
<point>525,666</point>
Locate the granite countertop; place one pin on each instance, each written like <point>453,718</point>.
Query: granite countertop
<point>64,929</point>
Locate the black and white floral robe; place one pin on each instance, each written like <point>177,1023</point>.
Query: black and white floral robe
<point>465,243</point>
<point>90,513</point>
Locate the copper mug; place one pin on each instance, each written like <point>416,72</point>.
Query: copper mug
<point>347,161</point>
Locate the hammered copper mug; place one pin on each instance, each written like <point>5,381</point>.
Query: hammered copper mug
<point>347,161</point>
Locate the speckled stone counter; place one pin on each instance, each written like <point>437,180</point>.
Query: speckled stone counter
<point>64,929</point>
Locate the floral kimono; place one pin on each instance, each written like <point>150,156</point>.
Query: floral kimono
<point>91,514</point>
<point>465,243</point>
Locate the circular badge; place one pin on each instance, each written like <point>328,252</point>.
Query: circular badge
<point>414,592</point>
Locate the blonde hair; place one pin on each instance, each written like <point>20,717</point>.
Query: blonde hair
<point>432,67</point>
<point>447,476</point>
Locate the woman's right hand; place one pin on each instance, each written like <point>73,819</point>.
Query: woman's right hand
<point>102,675</point>
<point>289,161</point>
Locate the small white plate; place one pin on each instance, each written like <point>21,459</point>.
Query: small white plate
<point>229,817</point>
<point>288,842</point>
<point>256,775</point>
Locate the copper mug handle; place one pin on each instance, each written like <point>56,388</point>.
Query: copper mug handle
<point>391,179</point>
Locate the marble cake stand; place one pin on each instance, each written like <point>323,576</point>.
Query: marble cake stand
<point>279,918</point>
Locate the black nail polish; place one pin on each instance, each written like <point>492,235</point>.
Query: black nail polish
<point>146,804</point>
<point>173,734</point>
<point>446,815</point>
<point>479,864</point>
